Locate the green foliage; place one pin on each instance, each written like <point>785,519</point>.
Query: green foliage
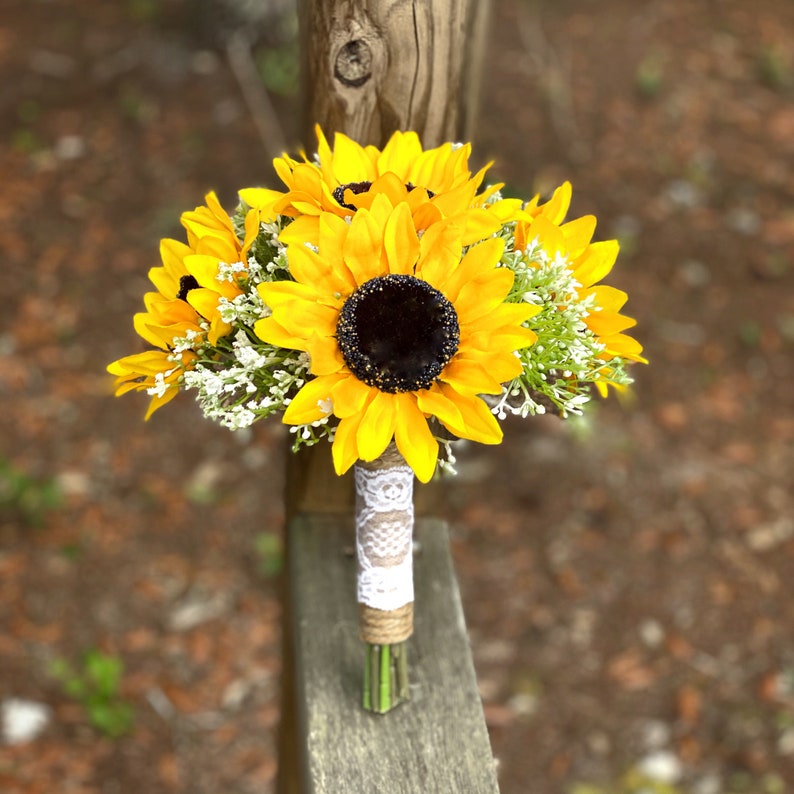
<point>95,685</point>
<point>25,498</point>
<point>633,782</point>
<point>144,10</point>
<point>649,76</point>
<point>270,554</point>
<point>775,68</point>
<point>279,69</point>
<point>751,783</point>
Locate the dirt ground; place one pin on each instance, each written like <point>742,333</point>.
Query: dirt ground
<point>627,580</point>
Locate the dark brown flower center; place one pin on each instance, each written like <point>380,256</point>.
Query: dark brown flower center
<point>362,187</point>
<point>186,283</point>
<point>397,333</point>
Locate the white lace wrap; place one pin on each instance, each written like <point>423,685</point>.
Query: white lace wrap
<point>384,535</point>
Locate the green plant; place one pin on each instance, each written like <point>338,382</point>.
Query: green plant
<point>649,76</point>
<point>633,782</point>
<point>25,497</point>
<point>279,69</point>
<point>95,685</point>
<point>774,67</point>
<point>270,553</point>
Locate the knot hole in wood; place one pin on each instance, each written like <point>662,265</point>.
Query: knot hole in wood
<point>353,65</point>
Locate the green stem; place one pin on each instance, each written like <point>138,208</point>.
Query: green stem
<point>385,677</point>
<point>401,659</point>
<point>367,680</point>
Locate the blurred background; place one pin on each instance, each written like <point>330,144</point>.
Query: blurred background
<point>627,578</point>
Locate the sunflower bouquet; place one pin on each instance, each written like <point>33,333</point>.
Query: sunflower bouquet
<point>384,303</point>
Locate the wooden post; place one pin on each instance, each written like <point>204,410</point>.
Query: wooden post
<point>376,66</point>
<point>372,67</point>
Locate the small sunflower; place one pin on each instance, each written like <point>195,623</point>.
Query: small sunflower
<point>190,282</point>
<point>400,327</point>
<point>434,183</point>
<point>589,263</point>
<point>581,340</point>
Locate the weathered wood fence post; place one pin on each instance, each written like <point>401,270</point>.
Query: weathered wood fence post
<point>372,67</point>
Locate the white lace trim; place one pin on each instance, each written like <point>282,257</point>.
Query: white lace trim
<point>384,536</point>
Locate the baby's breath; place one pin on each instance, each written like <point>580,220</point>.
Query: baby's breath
<point>559,369</point>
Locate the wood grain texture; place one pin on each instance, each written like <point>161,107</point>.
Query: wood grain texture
<point>375,66</point>
<point>438,742</point>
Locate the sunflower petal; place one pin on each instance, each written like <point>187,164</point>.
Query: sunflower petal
<point>414,439</point>
<point>349,396</point>
<point>325,355</point>
<point>479,260</point>
<point>350,161</point>
<point>272,332</point>
<point>377,426</point>
<point>470,377</point>
<point>362,248</point>
<point>309,404</point>
<point>400,241</point>
<point>596,262</point>
<point>577,234</point>
<point>478,423</point>
<point>344,449</point>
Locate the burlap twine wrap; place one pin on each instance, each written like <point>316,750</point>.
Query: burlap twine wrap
<point>384,543</point>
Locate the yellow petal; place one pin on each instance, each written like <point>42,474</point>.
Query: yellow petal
<point>434,402</point>
<point>350,161</point>
<point>311,402</point>
<point>624,346</point>
<point>304,318</point>
<point>479,224</point>
<point>414,439</point>
<point>270,331</point>
<point>150,362</point>
<point>504,339</point>
<point>400,241</point>
<point>326,358</point>
<point>596,262</point>
<point>349,396</point>
<point>556,208</point>
<point>304,229</point>
<point>607,298</point>
<point>400,151</point>
<point>439,252</point>
<point>470,377</point>
<point>577,234</point>
<point>388,184</point>
<point>479,261</point>
<point>377,426</point>
<point>501,366</point>
<point>478,423</point>
<point>362,248</point>
<point>344,450</point>
<point>159,401</point>
<point>204,269</point>
<point>204,301</point>
<point>332,232</point>
<point>323,275</point>
<point>262,199</point>
<point>278,293</point>
<point>608,323</point>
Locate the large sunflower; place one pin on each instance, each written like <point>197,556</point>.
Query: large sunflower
<point>400,327</point>
<point>434,183</point>
<point>183,314</point>
<point>542,225</point>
